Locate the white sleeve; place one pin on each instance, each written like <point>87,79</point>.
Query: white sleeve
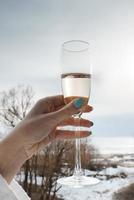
<point>6,192</point>
<point>11,192</point>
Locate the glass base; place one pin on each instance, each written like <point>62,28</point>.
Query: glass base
<point>78,181</point>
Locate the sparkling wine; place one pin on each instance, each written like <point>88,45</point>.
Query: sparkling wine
<point>76,85</point>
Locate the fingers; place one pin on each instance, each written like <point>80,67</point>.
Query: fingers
<point>46,105</point>
<point>74,107</point>
<point>54,103</point>
<point>62,135</point>
<point>76,122</point>
<point>50,104</point>
<point>56,100</point>
<point>65,134</point>
<point>87,108</point>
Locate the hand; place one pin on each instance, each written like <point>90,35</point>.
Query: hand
<point>38,129</point>
<point>40,125</point>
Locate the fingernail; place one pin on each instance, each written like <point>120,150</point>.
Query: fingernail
<point>91,108</point>
<point>91,123</point>
<point>90,133</point>
<point>78,103</point>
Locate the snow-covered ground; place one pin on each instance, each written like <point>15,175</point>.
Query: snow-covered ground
<point>111,180</point>
<point>104,190</point>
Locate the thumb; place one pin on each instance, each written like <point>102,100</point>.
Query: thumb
<point>74,107</point>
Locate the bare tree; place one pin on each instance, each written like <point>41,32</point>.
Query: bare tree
<point>126,193</point>
<point>14,104</point>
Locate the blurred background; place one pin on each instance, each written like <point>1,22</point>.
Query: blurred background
<point>31,34</point>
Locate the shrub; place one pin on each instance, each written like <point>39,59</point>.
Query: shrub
<point>126,193</point>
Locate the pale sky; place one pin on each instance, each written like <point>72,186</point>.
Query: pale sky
<point>31,34</point>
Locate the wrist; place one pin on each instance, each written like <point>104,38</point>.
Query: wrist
<point>12,156</point>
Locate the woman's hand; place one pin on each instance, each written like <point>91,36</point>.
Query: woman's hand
<point>39,128</point>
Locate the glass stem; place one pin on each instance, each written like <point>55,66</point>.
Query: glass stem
<point>77,169</point>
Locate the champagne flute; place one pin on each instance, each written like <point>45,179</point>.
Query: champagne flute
<point>76,83</point>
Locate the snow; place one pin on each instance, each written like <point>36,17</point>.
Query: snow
<point>104,190</point>
<point>128,170</point>
<point>110,171</point>
<point>20,177</point>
